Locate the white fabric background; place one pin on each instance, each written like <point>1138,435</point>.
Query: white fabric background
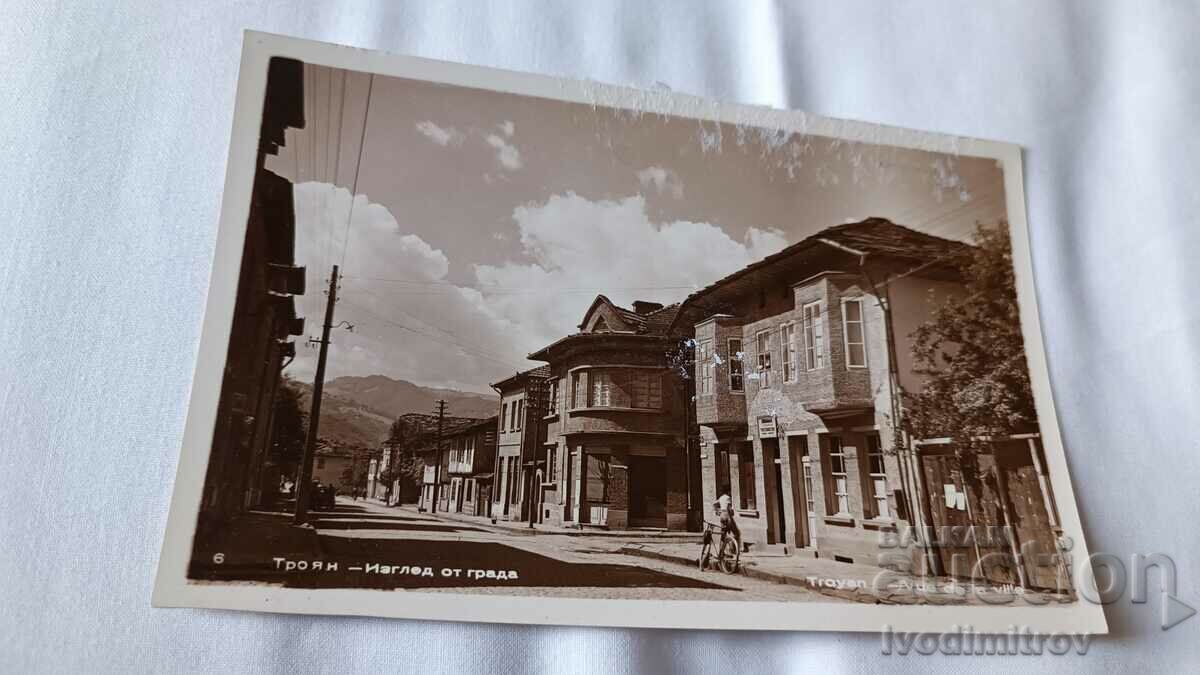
<point>114,124</point>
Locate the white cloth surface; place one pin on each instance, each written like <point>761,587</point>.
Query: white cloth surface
<point>114,125</point>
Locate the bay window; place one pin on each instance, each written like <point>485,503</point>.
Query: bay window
<point>852,324</point>
<point>763,355</point>
<point>736,368</point>
<point>814,336</point>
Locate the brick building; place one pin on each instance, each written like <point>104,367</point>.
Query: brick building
<point>609,446</point>
<point>800,359</point>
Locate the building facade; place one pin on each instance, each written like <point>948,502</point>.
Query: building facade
<point>470,465</point>
<point>799,363</point>
<point>612,421</point>
<point>242,472</point>
<point>519,427</point>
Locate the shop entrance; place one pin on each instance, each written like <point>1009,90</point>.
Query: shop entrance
<point>647,491</point>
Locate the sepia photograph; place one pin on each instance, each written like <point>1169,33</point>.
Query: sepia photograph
<point>479,340</point>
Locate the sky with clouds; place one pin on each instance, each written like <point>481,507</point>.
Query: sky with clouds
<point>483,224</point>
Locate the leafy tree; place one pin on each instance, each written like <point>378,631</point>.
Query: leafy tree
<point>289,426</point>
<point>971,353</point>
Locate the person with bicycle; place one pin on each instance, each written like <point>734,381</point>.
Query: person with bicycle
<point>723,510</point>
<point>727,548</point>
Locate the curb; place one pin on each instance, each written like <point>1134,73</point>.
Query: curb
<point>675,536</point>
<point>748,570</point>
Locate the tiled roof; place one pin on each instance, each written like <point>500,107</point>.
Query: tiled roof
<point>539,371</point>
<point>659,321</point>
<point>873,236</point>
<point>880,236</point>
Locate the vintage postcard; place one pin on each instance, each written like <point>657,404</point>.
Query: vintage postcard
<point>487,346</point>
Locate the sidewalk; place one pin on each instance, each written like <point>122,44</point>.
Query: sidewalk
<point>522,528</point>
<point>855,582</point>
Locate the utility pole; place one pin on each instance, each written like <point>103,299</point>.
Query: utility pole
<point>437,467</point>
<point>304,494</point>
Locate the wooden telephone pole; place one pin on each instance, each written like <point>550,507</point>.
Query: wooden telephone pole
<point>304,494</point>
<point>437,467</point>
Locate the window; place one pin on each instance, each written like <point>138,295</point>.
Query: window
<point>877,479</point>
<point>837,497</point>
<point>787,338</point>
<point>469,452</point>
<point>470,493</point>
<point>736,372</point>
<point>503,415</point>
<point>705,365</point>
<point>552,404</point>
<point>602,386</point>
<point>852,324</point>
<point>724,478</point>
<point>614,388</point>
<point>518,407</point>
<point>552,465</point>
<point>578,390</point>
<point>814,336</point>
<point>746,486</point>
<point>597,478</point>
<point>647,389</point>
<point>764,359</point>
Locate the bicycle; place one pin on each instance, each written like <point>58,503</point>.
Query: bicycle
<point>728,557</point>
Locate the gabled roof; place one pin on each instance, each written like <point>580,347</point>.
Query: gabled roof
<point>631,320</point>
<point>519,378</point>
<point>875,237</point>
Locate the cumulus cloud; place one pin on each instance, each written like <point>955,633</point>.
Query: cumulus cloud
<point>581,247</point>
<point>413,322</point>
<point>410,321</point>
<point>661,180</point>
<point>506,153</point>
<point>443,136</point>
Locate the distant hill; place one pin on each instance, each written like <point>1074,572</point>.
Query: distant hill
<point>360,410</point>
<point>397,397</point>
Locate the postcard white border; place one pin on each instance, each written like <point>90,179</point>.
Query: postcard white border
<point>172,589</point>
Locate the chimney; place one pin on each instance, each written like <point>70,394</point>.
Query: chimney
<point>644,307</point>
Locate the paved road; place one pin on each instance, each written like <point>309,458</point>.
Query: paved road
<point>372,543</point>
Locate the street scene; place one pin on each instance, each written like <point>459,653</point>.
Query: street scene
<point>485,343</point>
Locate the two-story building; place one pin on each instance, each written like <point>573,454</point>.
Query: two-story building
<point>518,428</point>
<point>614,419</point>
<point>471,463</point>
<point>800,359</point>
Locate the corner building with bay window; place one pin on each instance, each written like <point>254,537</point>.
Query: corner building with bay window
<point>800,358</point>
<point>612,451</point>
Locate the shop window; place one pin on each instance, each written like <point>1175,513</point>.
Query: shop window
<point>597,478</point>
<point>876,480</point>
<point>746,486</point>
<point>837,495</point>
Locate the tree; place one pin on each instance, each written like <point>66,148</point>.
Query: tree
<point>405,466</point>
<point>971,353</point>
<point>289,426</point>
<point>354,476</point>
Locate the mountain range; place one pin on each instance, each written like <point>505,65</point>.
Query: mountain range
<point>360,410</point>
